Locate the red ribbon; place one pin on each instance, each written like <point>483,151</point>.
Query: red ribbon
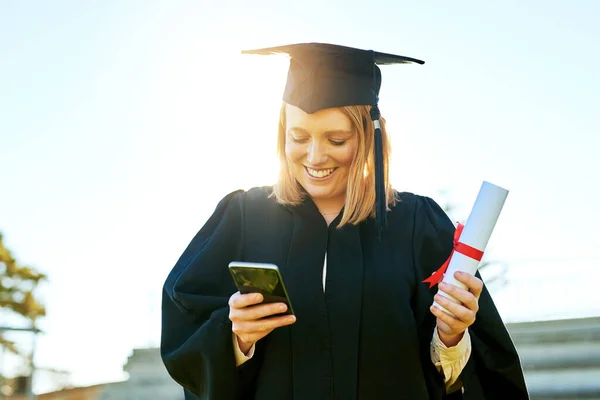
<point>459,247</point>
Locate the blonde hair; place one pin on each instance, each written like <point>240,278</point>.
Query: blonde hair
<point>360,190</point>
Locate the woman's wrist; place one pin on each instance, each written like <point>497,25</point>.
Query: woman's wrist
<point>244,347</point>
<point>450,340</point>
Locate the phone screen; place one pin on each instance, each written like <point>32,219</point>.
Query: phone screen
<point>266,281</point>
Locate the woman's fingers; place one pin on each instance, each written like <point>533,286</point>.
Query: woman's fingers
<point>465,306</point>
<point>267,324</point>
<point>238,300</point>
<point>474,284</point>
<point>452,324</point>
<point>468,299</point>
<point>251,321</point>
<point>251,313</point>
<point>253,331</point>
<point>463,316</point>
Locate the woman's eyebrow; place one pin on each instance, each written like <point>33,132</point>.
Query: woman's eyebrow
<point>339,132</point>
<point>328,133</point>
<point>298,129</point>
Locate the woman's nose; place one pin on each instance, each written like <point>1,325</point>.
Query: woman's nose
<point>316,154</point>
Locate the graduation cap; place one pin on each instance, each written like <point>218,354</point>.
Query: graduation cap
<point>323,75</point>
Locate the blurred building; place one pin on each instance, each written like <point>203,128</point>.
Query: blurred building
<point>148,379</point>
<point>561,360</point>
<point>560,352</point>
<point>79,393</point>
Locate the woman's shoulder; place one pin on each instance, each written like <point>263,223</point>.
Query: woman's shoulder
<point>260,193</point>
<point>257,193</point>
<point>419,208</point>
<point>413,201</point>
<point>241,205</point>
<point>258,198</point>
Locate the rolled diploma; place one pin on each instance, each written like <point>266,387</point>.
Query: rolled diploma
<point>476,233</point>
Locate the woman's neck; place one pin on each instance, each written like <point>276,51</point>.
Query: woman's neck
<point>329,217</point>
<point>329,208</point>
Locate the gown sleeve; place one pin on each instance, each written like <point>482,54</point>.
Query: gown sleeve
<point>196,345</point>
<point>494,369</point>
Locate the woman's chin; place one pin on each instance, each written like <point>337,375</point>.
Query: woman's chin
<point>321,193</point>
<point>317,194</point>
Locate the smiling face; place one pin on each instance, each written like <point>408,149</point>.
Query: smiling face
<point>320,149</point>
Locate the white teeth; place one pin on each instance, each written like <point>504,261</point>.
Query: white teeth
<point>321,173</point>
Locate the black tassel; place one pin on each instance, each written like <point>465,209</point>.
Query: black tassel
<point>380,197</point>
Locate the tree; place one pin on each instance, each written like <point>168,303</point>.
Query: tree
<point>17,287</point>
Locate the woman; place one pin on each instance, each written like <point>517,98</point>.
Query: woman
<point>353,254</point>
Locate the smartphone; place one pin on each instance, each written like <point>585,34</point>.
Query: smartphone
<point>261,278</point>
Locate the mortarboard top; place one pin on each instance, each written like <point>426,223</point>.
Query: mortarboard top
<point>323,75</point>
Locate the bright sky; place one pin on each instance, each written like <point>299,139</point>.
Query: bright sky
<point>123,123</point>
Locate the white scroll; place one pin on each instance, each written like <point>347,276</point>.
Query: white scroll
<point>476,233</point>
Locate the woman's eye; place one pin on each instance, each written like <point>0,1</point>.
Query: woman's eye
<point>337,142</point>
<point>298,140</point>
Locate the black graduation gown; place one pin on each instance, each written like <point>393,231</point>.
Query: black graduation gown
<point>366,338</point>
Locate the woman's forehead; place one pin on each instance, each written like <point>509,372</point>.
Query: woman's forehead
<point>331,119</point>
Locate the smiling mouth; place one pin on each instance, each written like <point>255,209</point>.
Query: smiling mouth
<point>319,173</point>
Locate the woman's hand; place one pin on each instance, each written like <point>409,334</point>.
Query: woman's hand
<point>248,318</point>
<point>451,329</point>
